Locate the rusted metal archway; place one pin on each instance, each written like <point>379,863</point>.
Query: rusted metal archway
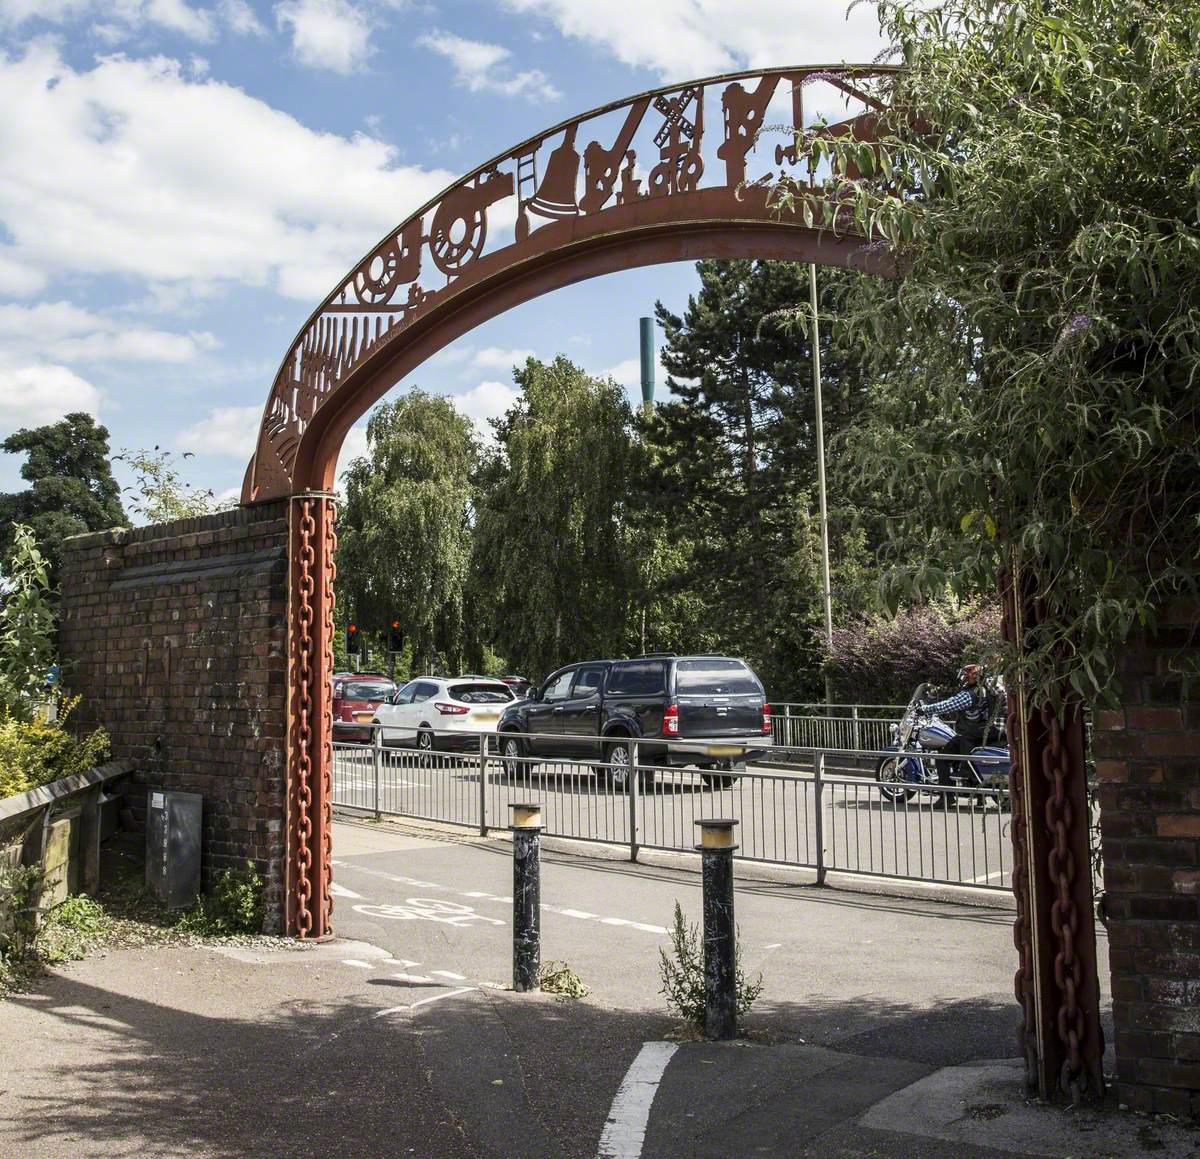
<point>638,182</point>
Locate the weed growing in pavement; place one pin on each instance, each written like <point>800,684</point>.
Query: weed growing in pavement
<point>235,905</point>
<point>683,974</point>
<point>20,891</point>
<point>71,929</point>
<point>558,978</point>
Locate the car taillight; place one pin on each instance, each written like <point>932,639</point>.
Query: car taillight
<point>766,718</point>
<point>450,709</point>
<point>346,713</point>
<point>671,720</point>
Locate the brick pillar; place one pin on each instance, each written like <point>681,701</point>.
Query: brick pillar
<point>1148,764</point>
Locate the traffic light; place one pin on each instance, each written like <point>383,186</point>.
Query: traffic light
<point>353,644</point>
<point>395,637</point>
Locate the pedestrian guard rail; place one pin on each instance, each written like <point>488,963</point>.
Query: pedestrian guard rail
<point>794,805</point>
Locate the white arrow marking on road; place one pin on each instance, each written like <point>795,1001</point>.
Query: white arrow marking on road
<point>342,891</point>
<point>356,962</point>
<point>412,978</point>
<point>423,1002</point>
<point>625,1131</point>
<point>449,974</point>
<point>408,963</point>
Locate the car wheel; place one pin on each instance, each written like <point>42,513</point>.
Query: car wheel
<point>617,759</point>
<point>513,750</point>
<point>425,746</point>
<point>892,784</point>
<point>717,780</point>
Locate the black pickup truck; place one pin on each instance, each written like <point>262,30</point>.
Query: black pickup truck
<point>593,709</point>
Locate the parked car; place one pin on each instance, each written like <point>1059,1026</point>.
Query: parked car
<point>356,696</point>
<point>434,712</point>
<point>593,709</point>
<point>519,685</point>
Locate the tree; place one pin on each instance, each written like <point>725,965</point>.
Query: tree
<point>71,485</point>
<point>553,560</point>
<point>1035,183</point>
<point>731,469</point>
<point>404,534</point>
<point>159,493</point>
<point>26,627</point>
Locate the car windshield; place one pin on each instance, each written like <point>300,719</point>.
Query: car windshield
<point>367,690</point>
<point>481,693</point>
<point>716,677</point>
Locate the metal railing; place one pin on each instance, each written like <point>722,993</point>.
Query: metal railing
<point>804,814</point>
<point>852,727</point>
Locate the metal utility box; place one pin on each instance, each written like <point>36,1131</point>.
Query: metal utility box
<point>173,830</point>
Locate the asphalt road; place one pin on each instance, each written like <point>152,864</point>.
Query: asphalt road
<point>861,831</point>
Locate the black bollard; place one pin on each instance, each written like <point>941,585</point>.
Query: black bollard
<point>527,895</point>
<point>720,947</point>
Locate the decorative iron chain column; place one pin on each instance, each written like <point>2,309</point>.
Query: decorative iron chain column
<point>1056,982</point>
<point>310,716</point>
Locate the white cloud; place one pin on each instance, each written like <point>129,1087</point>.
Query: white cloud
<point>488,400</point>
<point>228,430</point>
<point>186,179</point>
<point>628,373</point>
<point>500,358</point>
<point>328,34</point>
<point>240,18</point>
<point>119,18</point>
<point>680,39</point>
<point>77,335</point>
<point>33,395</point>
<point>481,67</point>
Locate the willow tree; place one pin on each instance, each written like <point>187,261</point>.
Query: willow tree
<point>1037,183</point>
<point>553,562</point>
<point>404,535</point>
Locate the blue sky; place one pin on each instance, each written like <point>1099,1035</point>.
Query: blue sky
<point>181,181</point>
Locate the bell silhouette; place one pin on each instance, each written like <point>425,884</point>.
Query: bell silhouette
<point>555,196</point>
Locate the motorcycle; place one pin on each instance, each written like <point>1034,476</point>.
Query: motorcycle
<point>917,734</point>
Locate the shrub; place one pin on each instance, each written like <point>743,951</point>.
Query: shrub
<point>682,974</point>
<point>20,891</point>
<point>36,752</point>
<point>881,660</point>
<point>235,906</point>
<point>70,928</point>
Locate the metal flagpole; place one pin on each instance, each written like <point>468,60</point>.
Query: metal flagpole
<point>816,372</point>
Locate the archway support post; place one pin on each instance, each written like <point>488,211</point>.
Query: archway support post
<point>1057,982</point>
<point>313,541</point>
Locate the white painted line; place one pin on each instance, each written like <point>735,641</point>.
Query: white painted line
<point>342,891</point>
<point>408,963</point>
<point>389,1010</point>
<point>615,922</point>
<point>411,978</point>
<point>773,945</point>
<point>984,878</point>
<point>439,997</point>
<point>577,913</point>
<point>449,974</point>
<point>625,1131</point>
<point>475,893</point>
<point>357,963</point>
<point>648,927</point>
<point>493,985</point>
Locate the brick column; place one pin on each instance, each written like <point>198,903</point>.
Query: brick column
<point>1148,763</point>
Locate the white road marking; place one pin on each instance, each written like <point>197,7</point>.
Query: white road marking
<point>479,895</point>
<point>412,978</point>
<point>984,878</point>
<point>494,985</point>
<point>342,891</point>
<point>449,974</point>
<point>406,962</point>
<point>774,946</point>
<point>357,963</point>
<point>625,1131</point>
<point>423,1002</point>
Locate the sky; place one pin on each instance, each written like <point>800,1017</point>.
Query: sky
<point>182,181</point>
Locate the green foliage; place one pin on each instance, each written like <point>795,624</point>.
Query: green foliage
<point>1036,189</point>
<point>71,485</point>
<point>552,553</point>
<point>682,972</point>
<point>404,535</point>
<point>36,752</point>
<point>235,906</point>
<point>20,891</point>
<point>27,625</point>
<point>70,929</point>
<point>159,493</point>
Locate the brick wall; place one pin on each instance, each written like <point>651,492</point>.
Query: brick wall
<point>1148,763</point>
<point>176,637</point>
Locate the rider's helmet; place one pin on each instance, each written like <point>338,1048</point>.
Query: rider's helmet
<point>968,675</point>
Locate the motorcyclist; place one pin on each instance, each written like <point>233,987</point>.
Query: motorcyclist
<point>973,707</point>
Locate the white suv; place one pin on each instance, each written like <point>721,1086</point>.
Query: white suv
<point>433,712</point>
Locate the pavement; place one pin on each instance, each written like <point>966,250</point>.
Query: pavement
<point>885,1028</point>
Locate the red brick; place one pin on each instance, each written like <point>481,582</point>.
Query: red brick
<point>1179,825</point>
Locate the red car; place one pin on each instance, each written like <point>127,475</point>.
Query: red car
<point>356,696</point>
